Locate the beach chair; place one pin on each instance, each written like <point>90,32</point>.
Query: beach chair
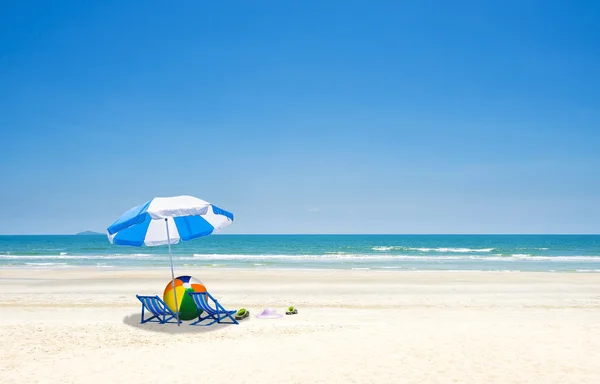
<point>159,310</point>
<point>217,313</point>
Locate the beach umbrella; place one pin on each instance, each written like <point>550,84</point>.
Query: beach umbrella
<point>166,221</point>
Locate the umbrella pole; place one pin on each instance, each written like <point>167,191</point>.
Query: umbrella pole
<point>172,273</point>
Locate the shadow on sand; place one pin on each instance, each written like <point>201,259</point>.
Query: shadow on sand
<point>185,327</point>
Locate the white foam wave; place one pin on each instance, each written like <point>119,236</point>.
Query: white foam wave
<point>82,257</point>
<point>289,258</point>
<point>440,249</point>
<point>453,250</point>
<point>361,257</point>
<point>336,257</point>
<point>45,264</point>
<point>49,265</point>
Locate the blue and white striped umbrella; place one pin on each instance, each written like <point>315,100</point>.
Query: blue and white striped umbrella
<point>186,218</point>
<point>167,220</point>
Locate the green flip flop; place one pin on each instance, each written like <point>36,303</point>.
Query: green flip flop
<point>291,310</point>
<point>242,314</point>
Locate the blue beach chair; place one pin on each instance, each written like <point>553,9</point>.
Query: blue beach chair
<point>159,310</point>
<point>216,314</point>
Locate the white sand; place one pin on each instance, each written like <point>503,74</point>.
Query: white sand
<point>82,326</point>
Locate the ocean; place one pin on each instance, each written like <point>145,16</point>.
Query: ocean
<point>546,253</point>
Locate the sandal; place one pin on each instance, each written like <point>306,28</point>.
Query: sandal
<point>242,314</point>
<point>291,310</point>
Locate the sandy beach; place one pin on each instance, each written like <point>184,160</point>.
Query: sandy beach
<point>82,326</point>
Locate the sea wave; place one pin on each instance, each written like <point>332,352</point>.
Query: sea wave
<point>424,249</point>
<point>45,264</point>
<point>81,257</point>
<point>283,258</point>
<point>49,265</point>
<point>453,250</point>
<point>384,248</point>
<point>369,257</point>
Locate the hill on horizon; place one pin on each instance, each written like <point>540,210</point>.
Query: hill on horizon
<point>88,233</point>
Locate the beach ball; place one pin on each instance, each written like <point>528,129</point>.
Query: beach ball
<point>185,303</point>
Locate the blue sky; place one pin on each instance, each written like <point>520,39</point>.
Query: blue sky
<point>303,117</point>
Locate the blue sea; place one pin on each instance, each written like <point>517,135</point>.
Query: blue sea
<point>549,253</point>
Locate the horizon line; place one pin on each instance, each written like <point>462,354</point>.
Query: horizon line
<point>329,234</point>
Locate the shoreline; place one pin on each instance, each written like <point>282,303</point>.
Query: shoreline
<point>240,273</point>
<point>75,268</point>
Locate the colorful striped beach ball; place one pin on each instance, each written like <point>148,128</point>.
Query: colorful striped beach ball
<point>183,284</point>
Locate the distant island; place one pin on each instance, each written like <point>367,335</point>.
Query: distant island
<point>88,233</point>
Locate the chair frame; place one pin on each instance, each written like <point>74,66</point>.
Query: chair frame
<point>216,314</point>
<point>161,313</point>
